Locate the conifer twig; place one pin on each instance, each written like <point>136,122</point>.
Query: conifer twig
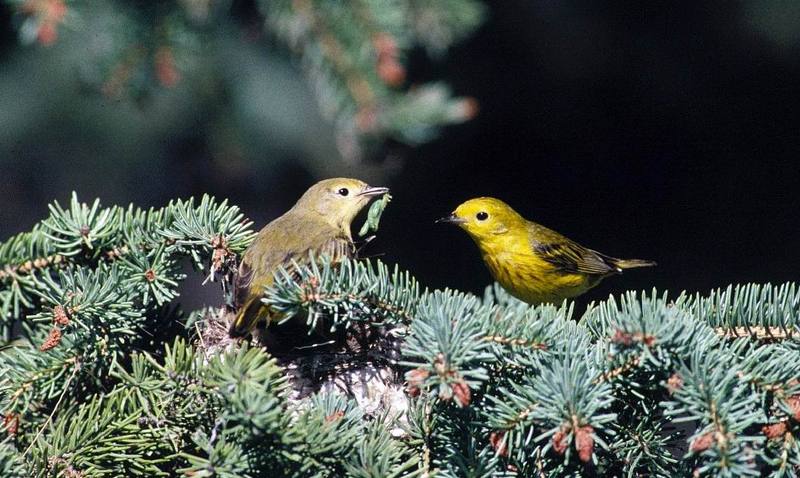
<point>757,332</point>
<point>615,372</point>
<point>498,339</point>
<point>55,407</point>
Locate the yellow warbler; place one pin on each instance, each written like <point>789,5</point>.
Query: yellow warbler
<point>318,223</point>
<point>533,263</point>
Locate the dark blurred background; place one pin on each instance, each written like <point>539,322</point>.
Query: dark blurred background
<point>666,132</point>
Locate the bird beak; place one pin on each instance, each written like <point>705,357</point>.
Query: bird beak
<point>370,191</point>
<point>451,219</point>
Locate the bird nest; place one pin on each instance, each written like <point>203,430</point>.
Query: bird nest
<point>359,362</point>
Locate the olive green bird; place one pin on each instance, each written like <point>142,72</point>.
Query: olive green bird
<point>533,263</point>
<point>318,223</point>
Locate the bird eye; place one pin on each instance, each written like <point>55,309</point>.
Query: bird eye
<point>344,191</point>
<point>482,216</point>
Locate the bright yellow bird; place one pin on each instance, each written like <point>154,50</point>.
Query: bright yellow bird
<point>318,223</point>
<point>533,263</point>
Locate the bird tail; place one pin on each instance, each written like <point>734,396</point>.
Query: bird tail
<point>247,317</point>
<point>622,264</point>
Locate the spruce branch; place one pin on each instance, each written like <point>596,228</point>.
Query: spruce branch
<point>11,464</point>
<point>100,319</point>
<point>32,381</point>
<point>345,293</point>
<point>725,407</point>
<point>81,229</point>
<point>772,368</point>
<point>354,56</point>
<point>563,403</point>
<point>26,252</point>
<point>646,330</point>
<point>52,412</point>
<point>447,343</point>
<point>340,427</point>
<point>378,455</point>
<point>440,25</point>
<point>95,440</point>
<point>209,224</point>
<point>758,309</point>
<point>495,387</point>
<point>153,275</point>
<point>523,329</point>
<point>644,447</point>
<point>21,257</point>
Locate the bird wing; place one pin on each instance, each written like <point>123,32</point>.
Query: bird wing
<point>282,243</point>
<point>241,285</point>
<point>278,244</point>
<point>565,254</point>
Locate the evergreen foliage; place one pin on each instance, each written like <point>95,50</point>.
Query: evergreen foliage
<point>354,54</point>
<point>102,374</point>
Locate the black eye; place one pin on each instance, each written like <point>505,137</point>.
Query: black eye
<point>482,216</point>
<point>344,191</point>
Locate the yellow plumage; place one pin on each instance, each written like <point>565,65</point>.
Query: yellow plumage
<point>533,263</point>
